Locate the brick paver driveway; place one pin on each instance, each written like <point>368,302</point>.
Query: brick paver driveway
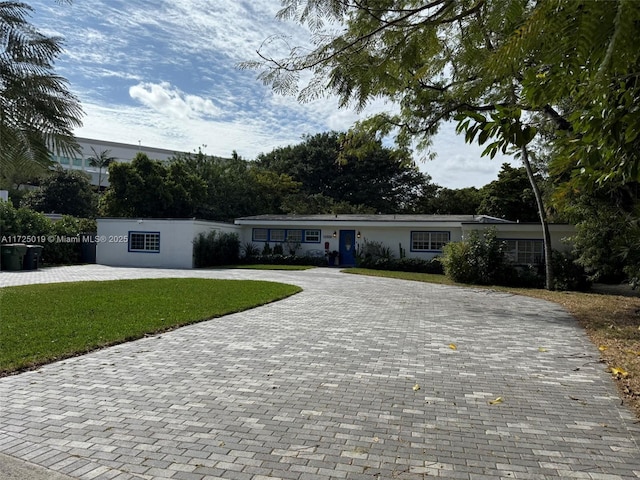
<point>321,385</point>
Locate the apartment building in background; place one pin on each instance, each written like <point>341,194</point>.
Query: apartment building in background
<point>122,152</point>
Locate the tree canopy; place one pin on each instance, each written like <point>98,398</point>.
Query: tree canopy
<point>509,196</point>
<point>351,167</point>
<point>502,68</point>
<point>65,192</point>
<point>147,188</point>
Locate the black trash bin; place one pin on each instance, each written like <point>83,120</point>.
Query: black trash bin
<point>13,256</point>
<point>88,248</point>
<point>32,257</point>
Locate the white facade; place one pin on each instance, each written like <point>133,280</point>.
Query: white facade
<point>168,243</point>
<point>416,236</point>
<point>159,243</point>
<point>394,234</point>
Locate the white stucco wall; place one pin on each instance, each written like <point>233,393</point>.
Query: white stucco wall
<point>177,235</point>
<point>400,235</point>
<point>176,241</point>
<point>394,234</point>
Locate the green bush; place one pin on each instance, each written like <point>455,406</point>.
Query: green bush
<point>249,251</point>
<point>28,223</point>
<point>22,221</point>
<point>215,249</point>
<point>456,262</point>
<point>287,260</point>
<point>568,274</point>
<point>277,249</point>
<point>377,256</point>
<point>480,260</point>
<point>528,276</point>
<point>60,252</point>
<point>417,265</point>
<point>370,252</point>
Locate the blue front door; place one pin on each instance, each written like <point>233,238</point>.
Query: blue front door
<point>347,247</point>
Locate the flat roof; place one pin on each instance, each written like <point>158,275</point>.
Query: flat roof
<point>372,218</point>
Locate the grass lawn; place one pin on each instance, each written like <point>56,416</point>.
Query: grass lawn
<point>612,322</point>
<point>44,323</point>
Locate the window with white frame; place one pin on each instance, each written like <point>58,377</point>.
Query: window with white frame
<point>277,235</point>
<point>144,242</point>
<point>312,236</point>
<point>285,235</point>
<point>260,234</point>
<point>429,241</point>
<point>294,236</point>
<point>525,252</point>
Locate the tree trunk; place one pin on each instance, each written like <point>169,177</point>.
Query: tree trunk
<point>548,266</point>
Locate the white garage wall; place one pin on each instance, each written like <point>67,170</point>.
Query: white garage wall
<point>176,241</point>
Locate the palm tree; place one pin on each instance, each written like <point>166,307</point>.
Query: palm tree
<point>21,170</point>
<point>100,160</point>
<point>37,111</point>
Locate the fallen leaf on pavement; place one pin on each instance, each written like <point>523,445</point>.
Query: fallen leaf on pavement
<point>416,387</point>
<point>453,346</point>
<point>496,401</point>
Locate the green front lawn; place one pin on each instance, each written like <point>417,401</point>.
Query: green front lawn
<point>44,323</point>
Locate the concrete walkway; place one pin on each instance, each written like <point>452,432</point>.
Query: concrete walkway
<point>321,385</point>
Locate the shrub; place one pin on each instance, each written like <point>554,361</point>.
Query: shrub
<point>292,247</point>
<point>22,221</point>
<point>214,249</point>
<point>249,251</point>
<point>289,260</point>
<point>480,260</point>
<point>277,249</point>
<point>377,256</point>
<point>456,262</point>
<point>568,274</point>
<point>26,222</point>
<point>529,276</point>
<point>370,252</point>
<point>67,253</point>
<point>417,265</point>
<point>267,249</point>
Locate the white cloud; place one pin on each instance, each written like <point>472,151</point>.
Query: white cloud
<point>458,164</point>
<point>169,100</point>
<point>164,73</point>
<point>247,136</point>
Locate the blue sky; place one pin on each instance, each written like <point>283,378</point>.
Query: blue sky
<point>164,73</point>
